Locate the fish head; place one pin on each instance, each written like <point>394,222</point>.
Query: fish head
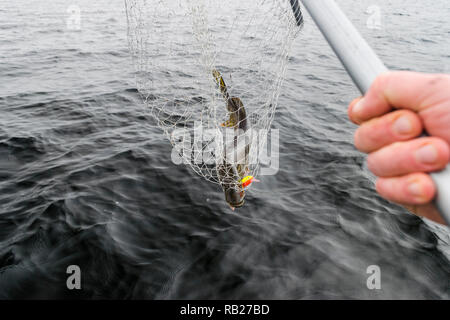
<point>234,198</point>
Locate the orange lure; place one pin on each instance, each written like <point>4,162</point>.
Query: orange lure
<point>246,181</point>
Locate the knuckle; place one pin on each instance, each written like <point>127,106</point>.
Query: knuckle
<point>439,79</point>
<point>381,81</point>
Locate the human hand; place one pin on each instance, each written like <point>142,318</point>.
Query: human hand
<point>398,156</point>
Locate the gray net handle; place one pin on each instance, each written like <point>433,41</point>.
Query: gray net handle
<point>363,65</point>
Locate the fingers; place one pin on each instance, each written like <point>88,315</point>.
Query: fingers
<point>415,191</point>
<point>395,126</point>
<point>406,90</point>
<point>412,189</point>
<point>373,104</point>
<point>419,155</point>
<point>350,109</point>
<point>397,156</point>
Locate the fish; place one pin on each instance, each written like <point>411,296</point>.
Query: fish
<point>234,178</point>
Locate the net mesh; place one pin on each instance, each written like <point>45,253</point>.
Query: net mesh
<point>210,72</point>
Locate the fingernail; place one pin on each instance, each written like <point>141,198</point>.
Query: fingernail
<point>415,189</point>
<point>402,125</point>
<point>427,154</point>
<point>357,109</point>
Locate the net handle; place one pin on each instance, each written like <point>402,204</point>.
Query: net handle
<point>363,65</point>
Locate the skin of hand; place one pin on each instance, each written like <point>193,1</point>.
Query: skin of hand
<point>391,116</point>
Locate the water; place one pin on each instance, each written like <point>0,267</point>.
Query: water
<point>86,178</point>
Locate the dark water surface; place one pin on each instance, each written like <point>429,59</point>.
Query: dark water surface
<point>86,178</point>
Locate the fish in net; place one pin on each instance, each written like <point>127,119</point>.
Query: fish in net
<point>210,72</point>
